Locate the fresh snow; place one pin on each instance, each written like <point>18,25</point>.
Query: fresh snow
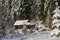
<point>45,35</point>
<point>20,31</point>
<point>55,31</point>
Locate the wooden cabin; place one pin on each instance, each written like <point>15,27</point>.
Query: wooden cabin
<point>20,23</point>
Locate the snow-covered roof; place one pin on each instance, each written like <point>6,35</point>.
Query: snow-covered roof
<point>20,22</point>
<point>23,22</point>
<point>30,23</point>
<point>55,21</point>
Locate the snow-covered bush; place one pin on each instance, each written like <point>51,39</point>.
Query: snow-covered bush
<point>55,32</point>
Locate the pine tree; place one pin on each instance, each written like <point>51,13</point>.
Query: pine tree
<point>16,9</point>
<point>6,16</point>
<point>26,9</point>
<point>49,7</point>
<point>42,15</point>
<point>21,9</point>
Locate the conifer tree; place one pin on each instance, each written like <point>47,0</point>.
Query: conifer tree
<point>49,7</point>
<point>6,20</point>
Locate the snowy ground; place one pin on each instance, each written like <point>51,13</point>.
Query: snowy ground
<point>45,35</point>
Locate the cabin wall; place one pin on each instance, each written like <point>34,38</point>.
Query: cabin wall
<point>27,26</point>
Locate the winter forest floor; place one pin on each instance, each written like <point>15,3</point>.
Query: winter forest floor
<point>45,35</point>
<point>47,11</point>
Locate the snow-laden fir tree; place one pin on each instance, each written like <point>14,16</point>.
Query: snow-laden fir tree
<point>56,21</point>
